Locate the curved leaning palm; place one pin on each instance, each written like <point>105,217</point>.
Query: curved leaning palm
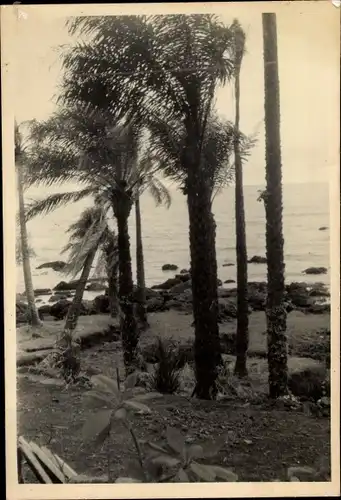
<point>89,234</point>
<point>82,145</point>
<point>25,250</point>
<point>166,69</point>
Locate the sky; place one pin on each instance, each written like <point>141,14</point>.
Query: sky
<point>309,56</point>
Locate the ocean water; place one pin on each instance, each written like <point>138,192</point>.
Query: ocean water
<point>166,240</point>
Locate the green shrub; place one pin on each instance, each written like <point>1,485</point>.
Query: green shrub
<point>309,384</point>
<point>166,376</point>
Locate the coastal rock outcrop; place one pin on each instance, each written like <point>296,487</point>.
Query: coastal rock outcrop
<point>167,285</point>
<point>64,285</point>
<point>95,286</point>
<point>228,264</point>
<point>323,228</point>
<point>169,267</point>
<point>257,259</point>
<point>315,270</point>
<point>56,265</point>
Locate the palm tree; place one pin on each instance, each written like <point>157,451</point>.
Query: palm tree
<point>88,233</point>
<point>84,145</point>
<point>164,68</point>
<point>242,336</point>
<point>20,158</point>
<point>276,311</point>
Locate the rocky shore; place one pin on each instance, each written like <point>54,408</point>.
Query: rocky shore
<point>175,294</point>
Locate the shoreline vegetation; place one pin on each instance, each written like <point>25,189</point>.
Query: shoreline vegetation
<point>191,358</point>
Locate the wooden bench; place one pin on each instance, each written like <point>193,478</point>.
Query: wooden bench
<point>47,467</point>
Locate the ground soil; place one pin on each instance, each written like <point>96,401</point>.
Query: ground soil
<point>260,441</point>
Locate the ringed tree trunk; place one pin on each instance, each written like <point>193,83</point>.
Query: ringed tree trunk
<point>140,275</point>
<point>32,310</point>
<point>276,312</point>
<point>242,336</point>
<point>129,330</point>
<point>76,305</point>
<point>204,284</point>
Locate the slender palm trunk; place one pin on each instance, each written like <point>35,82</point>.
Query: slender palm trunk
<point>242,337</point>
<point>32,310</point>
<point>204,286</point>
<point>276,312</point>
<point>129,329</point>
<point>113,289</point>
<point>75,307</point>
<point>140,276</point>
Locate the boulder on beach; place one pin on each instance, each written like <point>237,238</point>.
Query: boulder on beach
<point>44,310</point>
<point>228,264</point>
<point>257,259</point>
<point>183,277</point>
<point>56,265</point>
<point>155,304</point>
<point>169,267</point>
<point>315,270</point>
<point>167,285</point>
<point>63,285</point>
<point>180,287</point>
<point>42,291</point>
<point>59,309</point>
<point>184,271</point>
<point>101,304</point>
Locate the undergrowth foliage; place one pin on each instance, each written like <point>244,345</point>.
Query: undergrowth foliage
<point>166,375</point>
<point>174,461</point>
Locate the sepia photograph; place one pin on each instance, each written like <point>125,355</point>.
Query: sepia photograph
<point>171,247</point>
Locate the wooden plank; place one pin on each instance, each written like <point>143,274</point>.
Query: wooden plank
<point>33,463</point>
<point>68,471</point>
<point>50,468</point>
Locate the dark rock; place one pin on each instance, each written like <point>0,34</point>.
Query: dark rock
<point>95,287</point>
<point>38,301</point>
<point>323,228</point>
<point>229,281</point>
<point>184,271</point>
<point>101,304</point>
<point>155,304</point>
<point>228,264</point>
<point>63,285</point>
<point>44,310</point>
<point>42,291</point>
<point>183,277</point>
<point>219,282</point>
<point>167,285</point>
<point>315,270</point>
<point>169,267</point>
<point>57,265</point>
<point>257,259</point>
<point>59,309</point>
<point>180,287</point>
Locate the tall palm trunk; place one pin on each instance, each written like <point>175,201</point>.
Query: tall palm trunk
<point>129,330</point>
<point>276,312</point>
<point>204,285</point>
<point>75,307</point>
<point>140,276</point>
<point>32,310</point>
<point>242,337</point>
<point>112,272</point>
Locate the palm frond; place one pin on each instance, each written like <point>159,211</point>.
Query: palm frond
<point>54,201</point>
